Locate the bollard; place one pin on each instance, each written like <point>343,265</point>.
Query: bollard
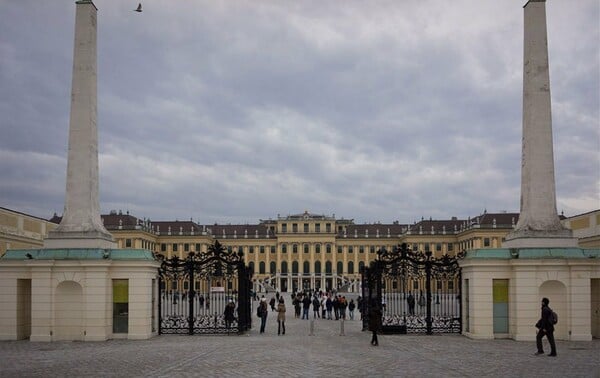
<point>312,328</point>
<point>342,327</point>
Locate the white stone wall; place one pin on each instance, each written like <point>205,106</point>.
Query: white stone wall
<point>566,282</point>
<point>72,299</point>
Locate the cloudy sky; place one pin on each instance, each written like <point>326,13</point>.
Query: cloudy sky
<point>235,111</point>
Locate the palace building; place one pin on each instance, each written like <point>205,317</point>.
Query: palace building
<point>298,251</point>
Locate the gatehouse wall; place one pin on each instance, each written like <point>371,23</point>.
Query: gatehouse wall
<point>52,295</point>
<point>564,276</point>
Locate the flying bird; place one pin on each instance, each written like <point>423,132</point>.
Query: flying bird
<point>139,8</point>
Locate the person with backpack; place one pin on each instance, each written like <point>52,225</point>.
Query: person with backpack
<point>545,327</point>
<point>262,312</point>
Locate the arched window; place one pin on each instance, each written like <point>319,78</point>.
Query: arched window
<point>273,267</point>
<point>350,267</point>
<point>284,248</point>
<point>340,267</point>
<point>317,267</point>
<point>295,248</point>
<point>306,267</point>
<point>328,267</point>
<point>251,266</point>
<point>295,267</point>
<point>284,269</point>
<point>361,266</point>
<point>305,248</point>
<point>318,248</point>
<point>328,248</point>
<point>261,267</point>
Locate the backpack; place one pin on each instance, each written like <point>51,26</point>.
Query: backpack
<point>259,311</point>
<point>553,317</point>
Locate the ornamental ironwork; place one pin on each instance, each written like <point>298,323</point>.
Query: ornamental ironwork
<point>417,292</point>
<point>205,293</point>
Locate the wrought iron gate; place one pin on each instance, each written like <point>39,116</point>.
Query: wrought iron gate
<point>417,293</point>
<point>194,293</point>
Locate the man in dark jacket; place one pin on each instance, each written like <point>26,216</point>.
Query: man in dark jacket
<point>545,327</point>
<point>305,306</point>
<point>374,321</point>
<point>316,304</point>
<point>329,305</point>
<point>229,314</point>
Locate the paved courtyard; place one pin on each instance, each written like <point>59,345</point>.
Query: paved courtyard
<point>326,354</point>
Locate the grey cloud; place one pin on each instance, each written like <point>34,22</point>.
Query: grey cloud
<point>236,111</point>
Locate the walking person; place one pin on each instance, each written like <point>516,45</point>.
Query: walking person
<point>336,307</point>
<point>374,321</point>
<point>305,306</point>
<point>316,304</point>
<point>263,310</point>
<point>297,303</point>
<point>545,327</point>
<point>359,304</point>
<point>272,303</point>
<point>351,307</point>
<point>329,305</point>
<point>229,314</point>
<point>342,307</point>
<point>411,304</point>
<point>281,317</point>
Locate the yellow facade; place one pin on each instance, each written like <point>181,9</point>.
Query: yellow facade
<point>586,228</point>
<point>22,231</point>
<point>298,251</point>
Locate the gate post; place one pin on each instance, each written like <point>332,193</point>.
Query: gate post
<point>160,294</point>
<point>244,315</point>
<point>428,263</point>
<point>190,268</point>
<point>365,297</point>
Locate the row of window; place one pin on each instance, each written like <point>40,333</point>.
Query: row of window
<point>175,247</point>
<point>416,285</point>
<point>306,267</point>
<point>305,247</point>
<point>306,228</point>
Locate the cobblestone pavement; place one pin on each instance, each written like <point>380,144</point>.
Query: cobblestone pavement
<point>326,354</point>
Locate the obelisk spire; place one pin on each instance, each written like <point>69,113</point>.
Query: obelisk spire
<point>81,225</point>
<point>538,225</point>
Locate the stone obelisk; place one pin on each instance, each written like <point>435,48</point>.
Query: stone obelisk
<point>81,225</point>
<point>539,224</point>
